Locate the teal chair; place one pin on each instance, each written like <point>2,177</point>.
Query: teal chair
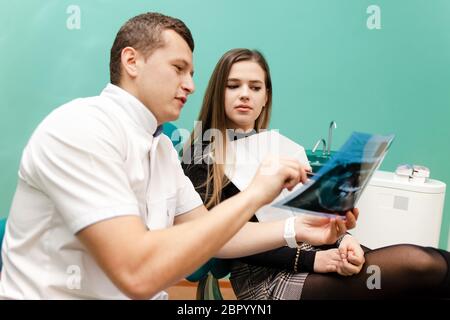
<point>207,275</point>
<point>2,234</point>
<point>168,129</point>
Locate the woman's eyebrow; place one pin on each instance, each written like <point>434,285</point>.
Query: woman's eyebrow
<point>251,81</point>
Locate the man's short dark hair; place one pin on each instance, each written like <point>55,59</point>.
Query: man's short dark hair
<point>143,33</point>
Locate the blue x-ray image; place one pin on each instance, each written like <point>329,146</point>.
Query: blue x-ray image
<point>338,185</point>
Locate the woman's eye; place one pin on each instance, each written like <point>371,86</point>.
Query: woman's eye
<point>256,88</point>
<point>232,86</point>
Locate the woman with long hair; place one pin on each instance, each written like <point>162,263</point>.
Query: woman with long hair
<point>238,103</point>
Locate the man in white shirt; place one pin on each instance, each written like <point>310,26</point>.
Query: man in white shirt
<point>102,207</point>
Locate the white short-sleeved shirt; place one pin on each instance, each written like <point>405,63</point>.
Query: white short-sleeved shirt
<point>91,159</point>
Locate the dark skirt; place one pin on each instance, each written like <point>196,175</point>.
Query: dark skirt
<point>259,283</point>
<point>251,282</point>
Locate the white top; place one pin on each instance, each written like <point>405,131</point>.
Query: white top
<point>244,156</point>
<point>91,159</point>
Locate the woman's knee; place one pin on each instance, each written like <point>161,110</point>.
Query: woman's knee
<point>419,260</point>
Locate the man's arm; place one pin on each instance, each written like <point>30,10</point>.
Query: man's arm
<point>141,262</point>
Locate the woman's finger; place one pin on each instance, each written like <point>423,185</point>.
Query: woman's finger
<point>356,213</point>
<point>349,268</point>
<point>355,259</point>
<point>350,220</point>
<point>340,226</point>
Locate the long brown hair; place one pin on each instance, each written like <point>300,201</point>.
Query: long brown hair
<point>212,116</point>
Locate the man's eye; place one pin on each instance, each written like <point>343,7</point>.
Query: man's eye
<point>179,68</point>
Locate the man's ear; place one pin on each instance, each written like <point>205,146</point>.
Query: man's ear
<point>128,59</point>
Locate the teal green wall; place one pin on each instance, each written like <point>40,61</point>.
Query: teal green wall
<point>326,65</point>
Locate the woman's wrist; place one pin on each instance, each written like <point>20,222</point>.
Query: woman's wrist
<point>347,237</point>
<point>318,262</point>
<point>301,233</point>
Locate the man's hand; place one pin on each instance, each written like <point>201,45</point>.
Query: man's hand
<point>352,256</point>
<point>273,175</point>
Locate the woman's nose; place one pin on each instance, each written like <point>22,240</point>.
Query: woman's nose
<point>244,92</point>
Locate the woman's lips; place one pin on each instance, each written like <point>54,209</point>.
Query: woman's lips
<point>243,108</point>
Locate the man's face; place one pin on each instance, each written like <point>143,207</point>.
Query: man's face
<point>164,79</point>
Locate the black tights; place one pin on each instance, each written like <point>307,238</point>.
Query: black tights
<point>405,271</point>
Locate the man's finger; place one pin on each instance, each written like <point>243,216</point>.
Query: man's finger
<point>294,164</point>
<point>303,175</point>
<point>292,178</point>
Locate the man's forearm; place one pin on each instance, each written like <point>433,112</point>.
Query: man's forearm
<point>190,244</point>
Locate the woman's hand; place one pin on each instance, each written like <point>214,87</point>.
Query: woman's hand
<point>351,217</point>
<point>331,261</point>
<point>346,261</point>
<point>352,256</point>
<point>317,230</point>
<point>327,261</point>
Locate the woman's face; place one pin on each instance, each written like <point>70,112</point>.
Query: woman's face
<point>245,95</point>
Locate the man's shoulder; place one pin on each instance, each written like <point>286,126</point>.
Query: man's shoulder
<point>87,105</point>
<point>83,120</point>
<point>83,112</point>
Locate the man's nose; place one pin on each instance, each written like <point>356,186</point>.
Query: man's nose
<point>188,85</point>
